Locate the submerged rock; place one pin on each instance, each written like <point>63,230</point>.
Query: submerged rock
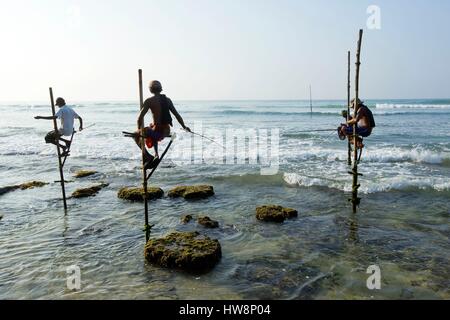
<point>207,222</point>
<point>1,216</point>
<point>137,194</point>
<point>89,192</point>
<point>186,218</point>
<point>192,192</point>
<point>23,186</point>
<point>274,213</point>
<point>7,189</point>
<point>84,173</point>
<point>188,251</point>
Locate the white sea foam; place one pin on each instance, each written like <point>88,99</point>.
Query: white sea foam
<point>440,184</point>
<point>384,154</point>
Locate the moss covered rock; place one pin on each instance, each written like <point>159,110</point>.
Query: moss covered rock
<point>89,192</point>
<point>137,194</point>
<point>207,222</point>
<point>23,186</point>
<point>84,173</point>
<point>274,213</point>
<point>32,185</point>
<point>192,192</point>
<point>188,251</point>
<point>186,218</point>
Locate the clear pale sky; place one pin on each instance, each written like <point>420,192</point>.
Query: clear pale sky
<point>233,49</point>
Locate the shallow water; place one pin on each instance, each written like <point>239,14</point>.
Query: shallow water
<point>402,224</point>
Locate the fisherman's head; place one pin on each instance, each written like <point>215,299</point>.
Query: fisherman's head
<point>352,103</point>
<point>155,86</point>
<point>60,102</point>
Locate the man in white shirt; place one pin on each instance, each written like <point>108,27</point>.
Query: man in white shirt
<point>67,116</point>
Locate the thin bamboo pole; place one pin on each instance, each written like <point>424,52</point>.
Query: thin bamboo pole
<point>144,171</point>
<point>348,107</point>
<point>61,172</point>
<point>355,187</point>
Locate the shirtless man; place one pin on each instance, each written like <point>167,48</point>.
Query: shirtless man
<point>161,107</point>
<point>364,122</point>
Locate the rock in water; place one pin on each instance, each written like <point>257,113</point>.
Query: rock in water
<point>274,213</point>
<point>137,194</point>
<point>84,173</point>
<point>207,222</point>
<point>1,216</point>
<point>188,251</point>
<point>186,218</point>
<point>32,185</point>
<point>23,186</point>
<point>7,189</point>
<point>89,192</point>
<point>192,192</point>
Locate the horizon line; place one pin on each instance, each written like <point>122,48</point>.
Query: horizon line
<point>215,100</point>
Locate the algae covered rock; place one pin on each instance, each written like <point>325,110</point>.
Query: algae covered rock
<point>23,186</point>
<point>32,185</point>
<point>186,218</point>
<point>137,194</point>
<point>274,213</point>
<point>188,251</point>
<point>192,192</point>
<point>207,222</point>
<point>84,173</point>
<point>89,192</point>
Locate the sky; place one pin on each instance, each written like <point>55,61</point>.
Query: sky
<point>222,50</point>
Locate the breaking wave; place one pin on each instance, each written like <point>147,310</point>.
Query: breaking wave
<point>377,155</point>
<point>403,183</point>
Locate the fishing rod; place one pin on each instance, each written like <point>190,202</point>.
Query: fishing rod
<point>200,135</point>
<point>90,126</point>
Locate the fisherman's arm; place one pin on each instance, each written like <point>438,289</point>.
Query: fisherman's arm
<point>355,120</point>
<point>177,115</point>
<point>81,123</point>
<point>45,117</point>
<point>144,110</point>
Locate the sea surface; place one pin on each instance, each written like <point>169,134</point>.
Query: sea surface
<point>402,225</point>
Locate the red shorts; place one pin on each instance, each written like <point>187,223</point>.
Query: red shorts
<point>152,136</point>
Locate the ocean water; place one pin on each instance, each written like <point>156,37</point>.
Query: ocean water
<point>402,225</point>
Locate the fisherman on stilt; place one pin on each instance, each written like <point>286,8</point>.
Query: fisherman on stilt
<point>67,116</point>
<point>364,120</point>
<point>161,107</point>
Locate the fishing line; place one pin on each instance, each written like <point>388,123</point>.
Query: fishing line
<point>200,135</point>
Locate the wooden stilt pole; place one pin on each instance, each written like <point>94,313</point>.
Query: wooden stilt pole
<point>144,171</point>
<point>61,172</point>
<point>348,108</point>
<point>355,187</point>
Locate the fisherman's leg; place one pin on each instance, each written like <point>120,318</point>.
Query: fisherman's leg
<point>155,146</point>
<point>51,137</point>
<point>67,142</point>
<point>137,138</point>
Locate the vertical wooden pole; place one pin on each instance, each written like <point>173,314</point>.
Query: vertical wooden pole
<point>355,187</point>
<point>349,161</point>
<point>61,172</point>
<point>144,171</point>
